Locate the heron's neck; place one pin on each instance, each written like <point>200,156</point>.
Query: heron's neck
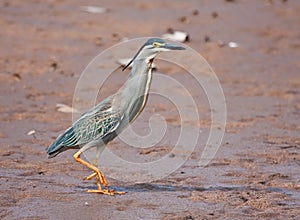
<point>141,67</point>
<point>136,89</point>
<point>140,76</point>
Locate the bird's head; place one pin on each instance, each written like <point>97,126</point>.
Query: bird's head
<point>151,48</point>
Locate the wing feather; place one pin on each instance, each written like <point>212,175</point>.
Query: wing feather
<point>95,124</point>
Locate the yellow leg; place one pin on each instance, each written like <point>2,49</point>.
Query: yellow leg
<point>90,176</point>
<point>100,178</point>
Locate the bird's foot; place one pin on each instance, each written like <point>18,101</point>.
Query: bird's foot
<point>100,178</point>
<point>106,192</point>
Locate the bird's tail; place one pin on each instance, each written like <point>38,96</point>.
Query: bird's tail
<point>60,145</point>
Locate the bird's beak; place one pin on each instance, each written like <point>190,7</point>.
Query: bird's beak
<point>172,47</point>
<point>166,46</point>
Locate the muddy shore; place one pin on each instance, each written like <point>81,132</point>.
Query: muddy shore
<point>45,46</point>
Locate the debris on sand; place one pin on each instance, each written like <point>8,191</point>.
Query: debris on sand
<point>32,132</point>
<point>230,44</point>
<point>178,36</point>
<point>65,108</point>
<point>233,44</point>
<point>93,9</point>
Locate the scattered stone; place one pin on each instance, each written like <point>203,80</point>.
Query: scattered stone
<point>221,43</point>
<point>116,37</point>
<point>195,12</point>
<point>98,41</point>
<point>214,14</point>
<point>184,19</point>
<point>17,76</point>
<point>206,39</point>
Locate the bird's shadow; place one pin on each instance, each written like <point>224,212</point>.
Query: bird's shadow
<point>151,187</point>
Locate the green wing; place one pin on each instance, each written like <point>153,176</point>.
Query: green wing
<point>95,124</point>
<point>94,127</point>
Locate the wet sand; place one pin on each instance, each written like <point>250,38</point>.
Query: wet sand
<point>45,45</point>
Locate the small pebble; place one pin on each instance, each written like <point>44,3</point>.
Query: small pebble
<point>214,14</point>
<point>17,76</point>
<point>195,12</point>
<point>98,41</point>
<point>221,43</point>
<point>116,37</point>
<point>206,39</point>
<point>184,19</point>
<point>54,65</point>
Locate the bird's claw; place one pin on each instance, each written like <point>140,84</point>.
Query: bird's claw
<point>99,176</point>
<point>90,176</point>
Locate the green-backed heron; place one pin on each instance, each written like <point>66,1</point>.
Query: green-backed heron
<point>103,122</point>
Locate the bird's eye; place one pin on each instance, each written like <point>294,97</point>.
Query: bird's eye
<point>155,44</point>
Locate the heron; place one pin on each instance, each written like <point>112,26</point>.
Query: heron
<point>103,122</point>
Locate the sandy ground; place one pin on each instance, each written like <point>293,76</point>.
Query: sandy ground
<point>45,45</point>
